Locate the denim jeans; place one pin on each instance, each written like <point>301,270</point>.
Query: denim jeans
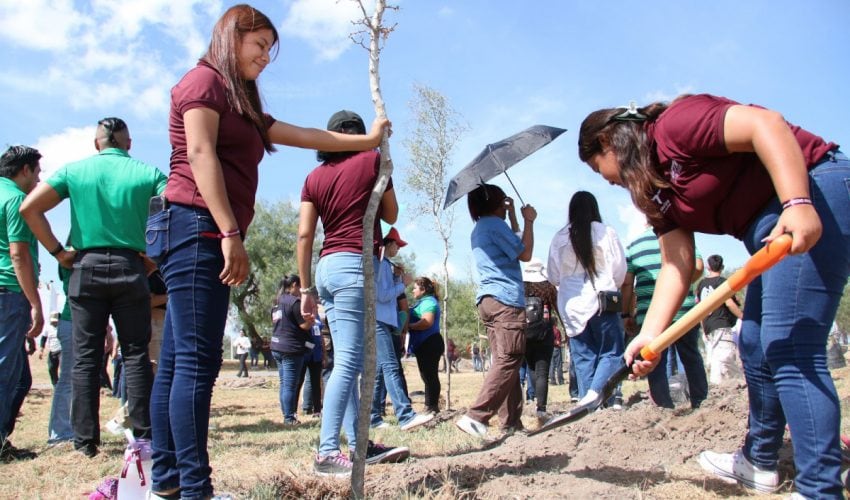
<point>339,280</point>
<point>596,351</point>
<point>191,353</point>
<point>556,368</point>
<point>388,371</point>
<point>22,388</point>
<point>109,282</point>
<point>787,317</point>
<point>289,371</point>
<point>687,348</point>
<point>59,427</point>
<point>15,318</point>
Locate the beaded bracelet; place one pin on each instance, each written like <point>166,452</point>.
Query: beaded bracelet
<point>796,201</point>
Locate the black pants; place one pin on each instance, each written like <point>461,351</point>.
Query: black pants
<point>428,356</point>
<point>538,355</point>
<point>53,366</point>
<point>311,401</point>
<point>109,282</point>
<point>243,366</point>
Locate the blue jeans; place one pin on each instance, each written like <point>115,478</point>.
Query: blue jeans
<point>687,348</point>
<point>597,351</point>
<point>15,318</point>
<point>289,371</point>
<point>339,280</point>
<point>59,427</point>
<point>190,358</point>
<point>388,371</point>
<point>787,317</point>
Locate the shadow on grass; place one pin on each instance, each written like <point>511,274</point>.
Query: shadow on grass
<point>232,411</point>
<point>266,425</point>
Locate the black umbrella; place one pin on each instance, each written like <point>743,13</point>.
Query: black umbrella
<point>497,158</point>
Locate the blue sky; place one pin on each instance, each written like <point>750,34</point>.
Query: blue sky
<point>504,65</point>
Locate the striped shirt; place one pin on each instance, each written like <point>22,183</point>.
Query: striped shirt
<point>643,261</point>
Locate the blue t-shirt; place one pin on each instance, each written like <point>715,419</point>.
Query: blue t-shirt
<point>496,250</point>
<point>427,304</point>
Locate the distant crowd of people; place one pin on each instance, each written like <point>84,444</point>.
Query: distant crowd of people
<point>157,256</point>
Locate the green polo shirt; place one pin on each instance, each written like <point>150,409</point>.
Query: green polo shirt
<point>13,229</point>
<point>109,194</point>
<point>643,260</point>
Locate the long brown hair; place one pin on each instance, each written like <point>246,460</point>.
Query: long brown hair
<point>626,136</point>
<point>222,54</point>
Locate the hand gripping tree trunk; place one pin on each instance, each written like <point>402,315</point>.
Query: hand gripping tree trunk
<point>376,31</point>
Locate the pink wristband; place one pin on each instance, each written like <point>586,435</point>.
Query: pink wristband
<point>796,201</point>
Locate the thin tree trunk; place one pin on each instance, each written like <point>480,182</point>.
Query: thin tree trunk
<point>367,385</point>
<point>445,323</point>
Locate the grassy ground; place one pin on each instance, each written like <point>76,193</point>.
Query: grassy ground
<point>253,454</point>
<point>248,442</point>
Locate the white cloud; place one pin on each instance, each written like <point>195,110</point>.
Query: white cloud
<point>633,219</point>
<point>69,145</point>
<point>666,95</point>
<point>108,54</point>
<point>325,25</point>
<point>41,24</point>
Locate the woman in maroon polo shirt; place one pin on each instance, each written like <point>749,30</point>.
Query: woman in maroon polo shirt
<point>708,164</point>
<point>219,133</point>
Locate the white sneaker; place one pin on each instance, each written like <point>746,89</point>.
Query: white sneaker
<point>734,467</point>
<point>420,419</point>
<point>471,427</point>
<point>590,396</point>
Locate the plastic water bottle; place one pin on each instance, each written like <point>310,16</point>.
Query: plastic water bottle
<point>135,479</point>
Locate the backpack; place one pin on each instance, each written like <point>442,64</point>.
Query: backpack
<point>535,324</point>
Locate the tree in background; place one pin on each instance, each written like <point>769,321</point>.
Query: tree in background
<point>271,249</point>
<point>437,131</point>
<point>843,316</point>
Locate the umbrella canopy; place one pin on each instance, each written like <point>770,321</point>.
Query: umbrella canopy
<point>497,158</point>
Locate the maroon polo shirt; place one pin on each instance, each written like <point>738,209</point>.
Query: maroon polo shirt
<point>713,191</point>
<point>340,192</point>
<point>239,144</point>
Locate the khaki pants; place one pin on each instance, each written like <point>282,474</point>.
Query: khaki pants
<point>501,392</point>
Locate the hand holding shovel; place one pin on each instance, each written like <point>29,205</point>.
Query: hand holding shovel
<point>762,260</point>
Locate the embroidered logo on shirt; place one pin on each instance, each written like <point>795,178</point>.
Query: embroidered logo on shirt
<point>663,205</point>
<point>675,170</point>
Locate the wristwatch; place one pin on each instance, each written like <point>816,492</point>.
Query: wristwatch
<point>310,290</point>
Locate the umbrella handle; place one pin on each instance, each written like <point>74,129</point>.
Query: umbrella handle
<point>522,203</point>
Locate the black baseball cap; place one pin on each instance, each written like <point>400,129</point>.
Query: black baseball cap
<point>348,120</point>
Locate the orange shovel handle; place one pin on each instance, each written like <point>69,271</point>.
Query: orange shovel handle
<point>761,261</point>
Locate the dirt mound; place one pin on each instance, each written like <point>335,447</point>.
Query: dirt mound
<point>642,450</point>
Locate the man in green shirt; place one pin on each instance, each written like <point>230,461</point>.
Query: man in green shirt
<point>643,263</point>
<point>109,195</point>
<point>20,305</point>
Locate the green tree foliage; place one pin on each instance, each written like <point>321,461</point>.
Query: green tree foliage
<point>463,322</point>
<point>843,316</point>
<point>271,250</point>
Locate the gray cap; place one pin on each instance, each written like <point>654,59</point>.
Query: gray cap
<point>344,117</point>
